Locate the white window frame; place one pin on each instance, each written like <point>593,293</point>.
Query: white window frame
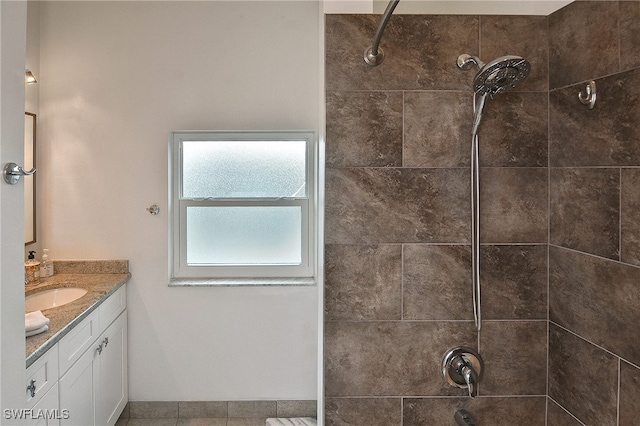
<point>181,273</point>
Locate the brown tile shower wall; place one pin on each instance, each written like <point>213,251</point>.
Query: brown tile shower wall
<point>398,258</point>
<point>594,281</point>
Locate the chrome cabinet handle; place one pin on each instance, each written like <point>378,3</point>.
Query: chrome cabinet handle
<point>102,345</point>
<point>32,388</point>
<point>12,173</point>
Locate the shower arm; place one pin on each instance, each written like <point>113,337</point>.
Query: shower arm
<point>374,55</point>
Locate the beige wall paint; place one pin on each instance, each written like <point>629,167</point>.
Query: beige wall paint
<point>116,77</point>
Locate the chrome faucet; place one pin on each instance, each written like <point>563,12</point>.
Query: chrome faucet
<point>466,370</point>
<point>463,418</point>
<point>462,367</point>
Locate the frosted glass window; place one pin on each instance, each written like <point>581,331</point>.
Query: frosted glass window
<point>244,235</point>
<point>243,207</point>
<point>244,169</point>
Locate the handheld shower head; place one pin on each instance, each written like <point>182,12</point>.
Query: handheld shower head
<point>498,76</point>
<point>501,74</point>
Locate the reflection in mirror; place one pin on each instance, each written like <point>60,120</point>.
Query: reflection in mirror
<point>29,181</point>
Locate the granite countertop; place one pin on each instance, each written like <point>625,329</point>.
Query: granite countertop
<point>99,278</point>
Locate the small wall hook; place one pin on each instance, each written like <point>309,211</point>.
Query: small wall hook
<point>12,173</point>
<point>588,97</point>
<point>154,209</point>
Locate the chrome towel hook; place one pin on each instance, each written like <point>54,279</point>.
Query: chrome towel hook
<point>588,97</point>
<point>12,173</point>
<point>154,209</point>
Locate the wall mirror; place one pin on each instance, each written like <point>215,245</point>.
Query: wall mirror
<point>29,181</point>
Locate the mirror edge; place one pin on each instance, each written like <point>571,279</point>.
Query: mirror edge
<point>30,146</point>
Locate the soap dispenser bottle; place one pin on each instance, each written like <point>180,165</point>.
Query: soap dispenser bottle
<point>46,266</point>
<point>32,269</point>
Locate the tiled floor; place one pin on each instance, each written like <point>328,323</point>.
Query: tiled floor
<point>211,421</point>
<point>211,413</point>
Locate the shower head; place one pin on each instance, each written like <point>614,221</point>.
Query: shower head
<point>501,74</point>
<point>497,76</point>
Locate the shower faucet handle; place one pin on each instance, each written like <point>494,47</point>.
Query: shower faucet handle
<point>470,378</point>
<point>462,367</point>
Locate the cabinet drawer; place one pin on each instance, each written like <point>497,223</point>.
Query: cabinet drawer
<point>73,345</point>
<point>111,308</point>
<point>42,375</point>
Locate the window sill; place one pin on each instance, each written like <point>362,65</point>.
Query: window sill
<point>230,282</point>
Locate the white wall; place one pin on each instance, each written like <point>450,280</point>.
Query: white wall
<point>115,78</point>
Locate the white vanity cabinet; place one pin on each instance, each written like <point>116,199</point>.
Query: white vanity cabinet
<point>93,365</point>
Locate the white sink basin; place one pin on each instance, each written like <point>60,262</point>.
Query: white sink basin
<point>53,298</point>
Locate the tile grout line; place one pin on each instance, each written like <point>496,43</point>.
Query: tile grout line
<point>595,255</point>
<point>546,407</point>
<point>620,217</point>
<point>602,348</point>
<point>618,396</point>
<point>566,411</point>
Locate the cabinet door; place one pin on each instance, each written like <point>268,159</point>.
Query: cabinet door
<point>77,390</point>
<point>45,412</point>
<point>112,390</point>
